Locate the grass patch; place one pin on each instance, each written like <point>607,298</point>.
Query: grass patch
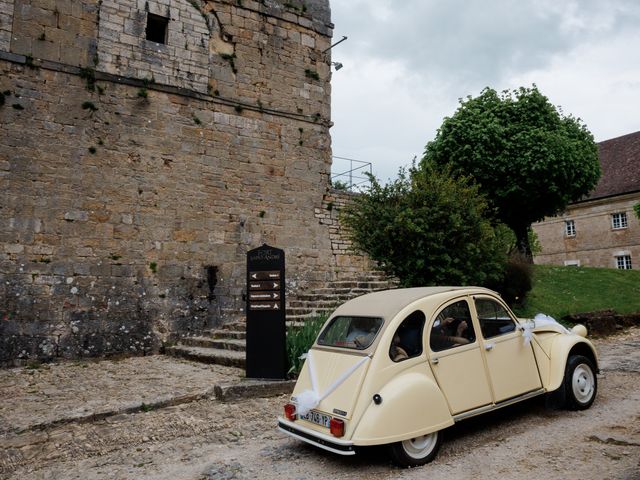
<point>559,291</point>
<point>299,341</point>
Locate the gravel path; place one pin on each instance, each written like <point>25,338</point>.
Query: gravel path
<point>210,440</point>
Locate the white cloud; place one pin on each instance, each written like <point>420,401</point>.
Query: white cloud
<point>407,63</point>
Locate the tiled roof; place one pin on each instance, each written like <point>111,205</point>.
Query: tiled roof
<point>620,163</point>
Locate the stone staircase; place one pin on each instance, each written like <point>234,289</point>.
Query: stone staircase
<point>325,300</point>
<point>226,345</point>
<point>223,346</point>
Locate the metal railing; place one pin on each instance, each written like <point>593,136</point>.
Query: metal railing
<point>354,179</point>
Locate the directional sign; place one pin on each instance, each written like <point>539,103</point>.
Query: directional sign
<point>264,275</point>
<point>264,306</point>
<point>266,331</point>
<point>264,285</point>
<point>262,296</point>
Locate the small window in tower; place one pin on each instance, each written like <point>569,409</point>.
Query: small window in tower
<point>157,27</point>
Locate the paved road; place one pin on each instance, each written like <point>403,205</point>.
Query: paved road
<point>209,440</point>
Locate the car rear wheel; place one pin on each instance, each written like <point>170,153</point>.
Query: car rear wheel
<point>580,383</point>
<point>416,451</point>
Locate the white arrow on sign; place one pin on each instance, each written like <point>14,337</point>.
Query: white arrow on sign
<point>276,306</point>
<point>275,285</point>
<point>254,276</point>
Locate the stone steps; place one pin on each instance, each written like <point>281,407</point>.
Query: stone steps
<point>326,299</point>
<point>235,344</point>
<point>227,345</point>
<point>231,334</point>
<point>229,358</point>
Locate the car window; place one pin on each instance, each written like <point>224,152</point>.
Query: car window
<point>452,327</point>
<point>494,318</point>
<point>407,339</point>
<point>350,332</point>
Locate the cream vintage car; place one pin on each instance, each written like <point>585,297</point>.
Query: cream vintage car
<point>398,367</point>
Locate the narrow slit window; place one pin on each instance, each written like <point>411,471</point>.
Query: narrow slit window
<point>157,27</point>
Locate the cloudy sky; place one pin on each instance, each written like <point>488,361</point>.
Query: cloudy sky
<point>407,62</point>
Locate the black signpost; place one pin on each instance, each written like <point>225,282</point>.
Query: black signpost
<point>266,329</point>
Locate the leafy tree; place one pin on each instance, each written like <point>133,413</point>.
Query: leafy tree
<point>529,158</point>
<point>636,208</point>
<point>428,228</point>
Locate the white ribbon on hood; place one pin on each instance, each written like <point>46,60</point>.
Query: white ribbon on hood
<point>310,399</point>
<point>540,320</point>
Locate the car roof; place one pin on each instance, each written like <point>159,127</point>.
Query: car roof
<point>388,303</point>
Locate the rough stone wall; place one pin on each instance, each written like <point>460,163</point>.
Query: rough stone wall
<point>128,206</point>
<point>6,23</point>
<point>596,243</point>
<point>346,258</point>
<point>60,31</point>
<point>182,61</point>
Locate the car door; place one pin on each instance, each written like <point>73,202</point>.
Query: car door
<point>511,364</point>
<point>456,360</point>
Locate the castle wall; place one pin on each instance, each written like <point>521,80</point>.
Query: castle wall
<point>135,177</point>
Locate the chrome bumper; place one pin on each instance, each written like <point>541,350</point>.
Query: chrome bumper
<point>326,442</point>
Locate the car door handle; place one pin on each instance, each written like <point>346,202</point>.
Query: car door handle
<point>489,346</point>
<point>435,361</point>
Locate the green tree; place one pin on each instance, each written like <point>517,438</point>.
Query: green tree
<point>636,208</point>
<point>428,228</point>
<point>529,158</point>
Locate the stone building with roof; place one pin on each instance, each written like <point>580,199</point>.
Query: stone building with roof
<point>601,230</point>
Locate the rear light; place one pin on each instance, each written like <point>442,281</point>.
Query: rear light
<point>290,411</point>
<point>336,427</point>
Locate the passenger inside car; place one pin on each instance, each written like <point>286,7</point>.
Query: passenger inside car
<point>452,327</point>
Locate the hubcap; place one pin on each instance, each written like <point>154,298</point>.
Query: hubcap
<point>420,447</point>
<point>582,383</point>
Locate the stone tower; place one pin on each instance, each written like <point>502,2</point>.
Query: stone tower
<point>145,146</point>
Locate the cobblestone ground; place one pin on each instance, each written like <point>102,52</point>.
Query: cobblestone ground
<point>36,396</point>
<point>209,440</point>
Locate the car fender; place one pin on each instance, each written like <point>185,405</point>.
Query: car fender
<point>563,346</point>
<point>411,405</point>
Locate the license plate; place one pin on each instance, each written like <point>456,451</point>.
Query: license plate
<point>317,418</point>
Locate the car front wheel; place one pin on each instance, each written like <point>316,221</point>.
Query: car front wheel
<point>580,383</point>
<point>416,451</point>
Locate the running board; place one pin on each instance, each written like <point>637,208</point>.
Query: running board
<point>504,403</point>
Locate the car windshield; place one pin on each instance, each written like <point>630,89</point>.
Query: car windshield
<point>350,332</point>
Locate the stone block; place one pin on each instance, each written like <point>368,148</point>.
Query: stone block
<point>14,248</point>
<point>46,50</point>
<point>308,40</point>
<point>76,215</point>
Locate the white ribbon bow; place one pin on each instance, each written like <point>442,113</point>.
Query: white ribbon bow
<point>540,320</point>
<point>310,399</point>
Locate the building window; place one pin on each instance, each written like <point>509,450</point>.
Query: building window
<point>619,220</point>
<point>570,228</point>
<point>157,27</point>
<point>623,262</point>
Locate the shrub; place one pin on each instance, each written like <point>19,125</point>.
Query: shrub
<point>428,228</point>
<point>517,281</point>
<point>299,341</point>
<point>340,185</point>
